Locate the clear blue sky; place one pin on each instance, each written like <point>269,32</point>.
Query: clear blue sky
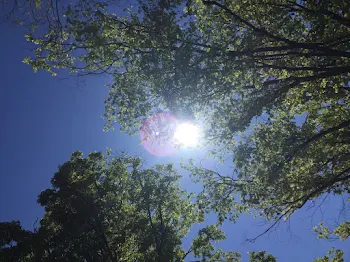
<point>44,119</point>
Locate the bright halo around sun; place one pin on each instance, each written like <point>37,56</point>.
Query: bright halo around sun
<point>186,134</point>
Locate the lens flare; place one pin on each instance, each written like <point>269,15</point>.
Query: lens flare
<point>156,134</point>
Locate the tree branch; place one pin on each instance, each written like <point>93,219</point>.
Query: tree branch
<point>260,31</point>
<point>317,137</point>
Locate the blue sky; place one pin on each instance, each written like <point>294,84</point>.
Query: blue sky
<point>44,119</point>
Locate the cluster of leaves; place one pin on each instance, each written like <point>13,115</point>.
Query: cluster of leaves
<point>15,242</point>
<point>342,231</point>
<point>332,256</point>
<point>112,210</point>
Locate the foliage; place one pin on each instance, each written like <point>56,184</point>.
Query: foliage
<point>342,231</point>
<point>112,209</point>
<point>202,246</point>
<point>102,209</point>
<point>261,256</point>
<point>16,243</point>
<point>332,256</point>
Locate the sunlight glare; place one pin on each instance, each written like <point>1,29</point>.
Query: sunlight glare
<point>187,134</point>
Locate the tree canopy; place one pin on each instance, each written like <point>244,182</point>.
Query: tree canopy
<point>113,210</point>
<point>267,80</point>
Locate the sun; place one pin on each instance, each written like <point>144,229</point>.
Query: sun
<point>186,134</point>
